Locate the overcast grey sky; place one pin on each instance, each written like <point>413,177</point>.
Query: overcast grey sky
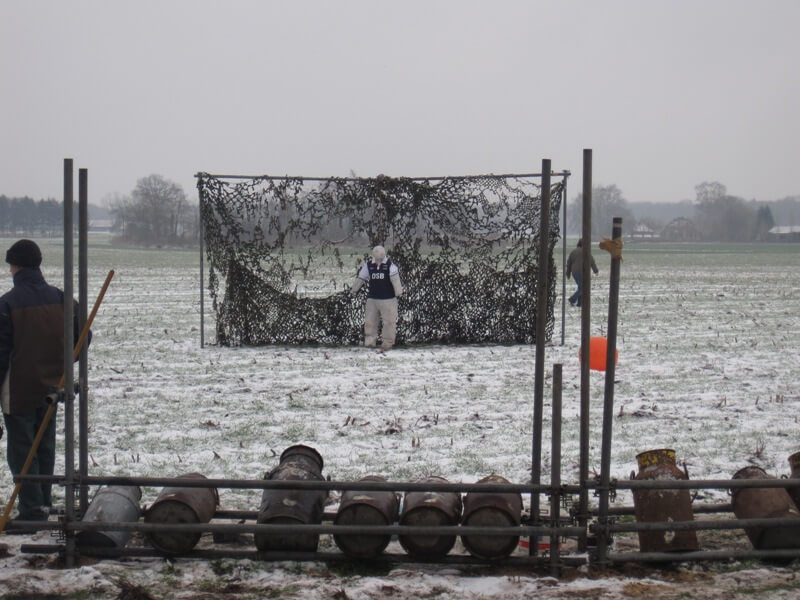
<point>667,93</point>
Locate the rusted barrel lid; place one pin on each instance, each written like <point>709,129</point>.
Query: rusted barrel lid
<point>491,509</point>
<point>430,509</point>
<point>751,472</point>
<point>427,546</point>
<point>304,451</point>
<point>492,547</point>
<point>181,505</point>
<point>362,545</point>
<point>366,508</point>
<point>650,458</point>
<point>172,511</point>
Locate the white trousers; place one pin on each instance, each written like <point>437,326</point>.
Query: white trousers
<point>384,311</point>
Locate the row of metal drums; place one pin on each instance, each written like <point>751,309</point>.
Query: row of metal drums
<point>293,506</point>
<point>418,508</point>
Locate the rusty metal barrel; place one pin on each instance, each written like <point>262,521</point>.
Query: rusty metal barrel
<point>111,504</point>
<point>430,509</point>
<point>181,505</point>
<point>794,492</point>
<point>287,506</point>
<point>366,508</point>
<point>765,503</point>
<point>491,509</point>
<point>662,505</point>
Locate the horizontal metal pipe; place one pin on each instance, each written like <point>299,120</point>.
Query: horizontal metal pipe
<point>285,528</point>
<point>575,561</point>
<point>701,525</point>
<point>522,488</point>
<point>704,508</point>
<point>700,555</point>
<point>682,484</point>
<point>441,178</point>
<point>696,509</point>
<point>365,486</point>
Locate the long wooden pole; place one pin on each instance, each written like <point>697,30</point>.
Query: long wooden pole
<point>51,409</point>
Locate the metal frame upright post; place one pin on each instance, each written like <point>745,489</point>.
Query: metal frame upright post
<point>202,240</point>
<point>541,325</point>
<point>586,314</point>
<point>83,364</point>
<point>555,473</point>
<point>608,399</point>
<point>69,394</point>
<point>564,263</point>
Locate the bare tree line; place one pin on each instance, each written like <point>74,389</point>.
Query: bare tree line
<point>156,212</point>
<point>715,215</point>
<point>26,215</point>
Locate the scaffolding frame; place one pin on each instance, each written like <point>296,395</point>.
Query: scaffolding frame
<point>592,529</point>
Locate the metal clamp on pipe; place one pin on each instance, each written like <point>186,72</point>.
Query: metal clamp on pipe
<point>55,397</point>
<point>612,489</point>
<point>59,395</point>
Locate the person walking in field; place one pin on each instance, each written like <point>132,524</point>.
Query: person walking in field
<point>575,269</point>
<point>31,366</point>
<point>383,288</point>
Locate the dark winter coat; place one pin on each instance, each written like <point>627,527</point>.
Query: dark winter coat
<point>575,262</point>
<point>31,342</point>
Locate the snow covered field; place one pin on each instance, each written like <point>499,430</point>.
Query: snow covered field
<point>708,365</point>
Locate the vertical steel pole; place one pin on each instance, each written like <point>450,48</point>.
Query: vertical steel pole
<point>564,262</point>
<point>586,241</point>
<point>83,364</point>
<point>541,322</point>
<point>555,472</point>
<point>69,422</point>
<point>202,239</point>
<point>608,398</point>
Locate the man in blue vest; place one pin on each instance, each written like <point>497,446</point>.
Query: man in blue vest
<point>383,288</point>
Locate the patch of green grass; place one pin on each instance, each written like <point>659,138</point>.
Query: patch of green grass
<point>472,462</point>
<point>299,431</point>
<point>222,566</point>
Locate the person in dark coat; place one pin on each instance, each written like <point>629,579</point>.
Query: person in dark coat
<point>575,269</point>
<point>31,367</point>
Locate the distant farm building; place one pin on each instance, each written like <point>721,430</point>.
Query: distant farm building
<point>785,233</point>
<point>101,225</point>
<point>643,232</point>
<point>680,230</point>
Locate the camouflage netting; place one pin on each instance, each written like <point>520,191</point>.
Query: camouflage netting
<point>283,251</point>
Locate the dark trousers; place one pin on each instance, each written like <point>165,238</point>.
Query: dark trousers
<point>576,297</point>
<point>34,498</point>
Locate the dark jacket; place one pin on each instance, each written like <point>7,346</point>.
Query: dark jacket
<point>575,262</point>
<point>31,341</point>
